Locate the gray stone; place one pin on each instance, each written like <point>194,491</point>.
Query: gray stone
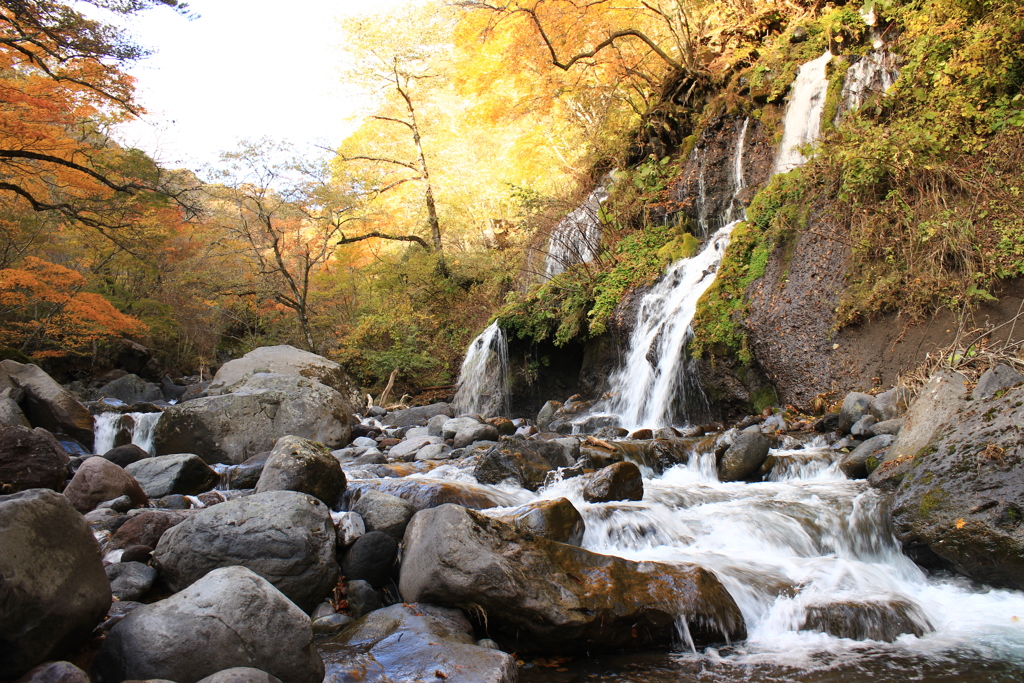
<point>478,432</point>
<point>416,431</point>
<point>383,512</point>
<point>247,474</point>
<point>125,455</point>
<point>183,473</point>
<point>262,408</point>
<point>48,404</point>
<point>11,415</point>
<point>451,427</point>
<point>297,464</point>
<point>98,480</point>
<point>364,442</point>
<point>362,598</point>
<point>285,360</point>
<point>862,428</point>
<point>744,456</point>
<point>229,618</point>
<point>407,450</point>
<point>415,417</point>
<point>130,580</point>
<point>435,425</point>
<point>52,585</point>
<point>888,427</point>
<point>434,451</point>
<point>132,389</point>
<point>855,406</point>
<point>331,624</point>
<point>145,529</point>
<point>286,537</point>
<point>890,404</point>
<point>995,379</point>
<point>547,597</point>
<point>371,558</point>
<point>349,526</point>
<point>55,672</point>
<point>241,674</point>
<point>547,414</point>
<point>618,481</point>
<point>31,459</point>
<point>859,463</point>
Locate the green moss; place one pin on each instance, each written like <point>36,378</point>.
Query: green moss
<point>871,463</point>
<point>931,500</point>
<point>763,398</point>
<point>834,97</point>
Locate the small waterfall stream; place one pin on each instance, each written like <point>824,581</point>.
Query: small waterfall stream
<point>141,427</point>
<point>577,238</point>
<point>483,379</point>
<point>802,122</point>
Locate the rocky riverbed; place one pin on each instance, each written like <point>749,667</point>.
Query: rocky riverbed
<point>271,532</point>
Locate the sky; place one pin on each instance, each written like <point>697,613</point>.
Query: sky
<point>242,69</point>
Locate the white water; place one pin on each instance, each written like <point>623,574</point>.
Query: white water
<point>810,539</point>
<point>647,387</point>
<point>483,379</point>
<point>802,123</point>
<point>735,210</point>
<point>107,426</point>
<point>872,74</point>
<point>577,239</point>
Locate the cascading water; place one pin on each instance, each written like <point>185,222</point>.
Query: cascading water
<point>483,379</point>
<point>141,427</point>
<point>802,122</point>
<point>735,211</point>
<point>871,74</point>
<point>577,238</point>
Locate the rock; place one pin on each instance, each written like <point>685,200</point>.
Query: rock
<point>122,456</point>
<point>31,459</point>
<point>937,404</point>
<point>505,426</point>
<point>434,451</point>
<point>11,415</point>
<point>137,553</point>
<point>863,460</point>
<point>744,456</point>
<point>618,481</point>
<point>297,464</point>
<point>130,580</point>
<point>961,499</point>
<point>884,621</point>
<point>416,431</point>
<point>98,480</point>
<point>547,414</point>
<point>349,527</point>
<point>862,428</point>
<point>406,450</point>
<point>247,474</point>
<point>331,624</point>
<point>55,672</point>
<point>241,674</point>
<point>284,536</point>
<point>526,462</point>
<point>229,618</point>
<point>383,512</point>
<point>557,520</point>
<point>371,558</point>
<point>428,493</point>
<point>416,417</point>
<point>855,406</point>
<point>285,360</point>
<point>478,432</point>
<point>452,427</point>
<point>262,408</point>
<point>362,598</point>
<point>364,442</point>
<point>995,379</point>
<point>171,391</point>
<point>888,427</point>
<point>435,425</point>
<point>416,643</point>
<point>48,404</point>
<point>552,597</point>
<point>829,422</point>
<point>145,529</point>
<point>132,389</point>
<point>183,473</point>
<point>890,404</point>
<point>52,585</point>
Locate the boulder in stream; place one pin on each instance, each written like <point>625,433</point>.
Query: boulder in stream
<point>31,459</point>
<point>557,520</point>
<point>164,475</point>
<point>618,481</point>
<point>297,464</point>
<point>525,461</point>
<point>98,480</point>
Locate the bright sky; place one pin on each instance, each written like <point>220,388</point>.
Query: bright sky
<point>242,69</point>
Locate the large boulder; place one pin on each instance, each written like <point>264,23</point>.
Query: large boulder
<point>183,473</point>
<point>11,414</point>
<point>419,643</point>
<point>144,529</point>
<point>527,462</point>
<point>98,480</point>
<point>961,499</point>
<point>416,417</point>
<point>619,481</point>
<point>31,459</point>
<point>132,389</point>
<point>48,404</point>
<point>383,512</point>
<point>552,597</point>
<point>229,618</point>
<point>743,457</point>
<point>260,409</point>
<point>284,360</point>
<point>297,464</point>
<point>53,589</point>
<point>286,537</point>
<point>555,519</point>
<point>424,493</point>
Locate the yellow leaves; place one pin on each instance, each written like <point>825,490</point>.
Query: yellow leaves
<point>960,523</point>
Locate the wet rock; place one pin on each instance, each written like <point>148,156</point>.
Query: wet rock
<point>182,473</point>
<point>247,474</point>
<point>241,674</point>
<point>132,389</point>
<point>331,624</point>
<point>743,457</point>
<point>884,621</point>
<point>427,493</point>
<point>416,642</point>
<point>145,529</point>
<point>890,404</point>
<point>362,598</point>
<point>416,417</point>
<point>262,408</point>
<point>229,618</point>
<point>285,360</point>
<point>524,461</point>
<point>547,414</point>
<point>55,672</point>
<point>855,406</point>
<point>557,520</point>
<point>31,459</point>
<point>47,404</point>
<point>996,379</point>
<point>829,422</point>
<point>862,428</point>
<point>130,580</point>
<point>961,496</point>
<point>125,455</point>
<point>98,480</point>
<point>863,460</point>
<point>371,558</point>
<point>52,585</point>
<point>888,427</point>
<point>286,537</point>
<point>297,464</point>
<point>350,527</point>
<point>551,597</point>
<point>383,512</point>
<point>619,481</point>
<point>406,450</point>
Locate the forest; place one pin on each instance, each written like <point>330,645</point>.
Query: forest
<point>493,120</point>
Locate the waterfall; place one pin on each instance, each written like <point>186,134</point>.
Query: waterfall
<point>650,386</point>
<point>802,122</point>
<point>140,427</point>
<point>873,73</point>
<point>577,238</point>
<point>483,379</point>
<point>735,211</point>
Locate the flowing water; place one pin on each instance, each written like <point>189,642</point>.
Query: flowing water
<point>577,238</point>
<point>802,123</point>
<point>483,378</point>
<point>872,74</point>
<point>140,426</point>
